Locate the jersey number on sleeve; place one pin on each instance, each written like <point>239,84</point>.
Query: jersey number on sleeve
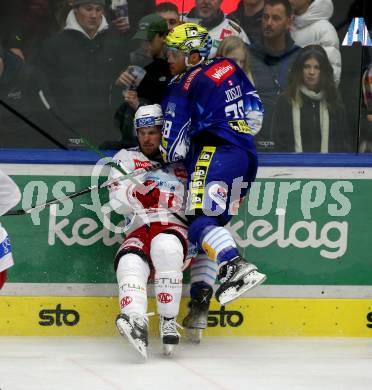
<point>235,110</point>
<point>167,128</point>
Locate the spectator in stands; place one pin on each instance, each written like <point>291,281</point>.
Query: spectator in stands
<point>309,115</point>
<point>10,25</point>
<point>208,14</point>
<point>249,16</point>
<point>30,22</point>
<point>271,59</point>
<point>170,13</point>
<point>311,26</point>
<point>81,64</point>
<point>136,10</point>
<point>234,48</point>
<point>366,113</point>
<point>61,9</point>
<point>38,23</point>
<point>151,33</point>
<point>20,102</point>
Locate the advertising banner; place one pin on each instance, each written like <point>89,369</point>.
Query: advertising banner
<point>301,227</point>
<point>308,229</point>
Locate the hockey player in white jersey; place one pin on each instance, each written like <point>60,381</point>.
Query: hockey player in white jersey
<point>156,241</point>
<point>9,197</point>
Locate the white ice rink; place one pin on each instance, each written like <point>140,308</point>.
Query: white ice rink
<point>107,363</point>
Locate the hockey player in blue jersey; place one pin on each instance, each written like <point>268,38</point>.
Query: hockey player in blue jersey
<point>211,113</point>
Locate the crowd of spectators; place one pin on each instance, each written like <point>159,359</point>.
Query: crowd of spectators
<point>77,60</point>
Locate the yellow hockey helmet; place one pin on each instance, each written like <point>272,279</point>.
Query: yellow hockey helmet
<point>188,37</point>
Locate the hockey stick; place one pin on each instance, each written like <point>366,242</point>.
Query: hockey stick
<point>82,192</point>
<point>110,162</point>
<point>113,164</point>
<point>91,146</point>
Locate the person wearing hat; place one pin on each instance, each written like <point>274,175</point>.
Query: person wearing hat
<point>150,35</point>
<point>88,15</point>
<point>149,39</point>
<point>81,64</point>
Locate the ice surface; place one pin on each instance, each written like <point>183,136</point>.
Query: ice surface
<point>105,363</point>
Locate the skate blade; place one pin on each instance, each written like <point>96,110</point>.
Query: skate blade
<point>168,350</point>
<point>193,335</point>
<point>231,293</point>
<point>138,345</point>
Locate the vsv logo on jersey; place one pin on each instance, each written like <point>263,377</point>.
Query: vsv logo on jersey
<point>165,297</point>
<point>125,301</point>
<point>221,71</point>
<point>218,194</point>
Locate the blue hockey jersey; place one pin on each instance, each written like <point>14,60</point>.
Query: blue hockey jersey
<point>215,97</point>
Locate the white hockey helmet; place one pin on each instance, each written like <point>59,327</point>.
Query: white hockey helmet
<point>148,116</point>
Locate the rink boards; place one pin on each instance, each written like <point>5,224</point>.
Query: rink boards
<point>317,256</point>
<point>95,316</point>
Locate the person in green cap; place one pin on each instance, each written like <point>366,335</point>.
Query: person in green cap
<point>150,35</point>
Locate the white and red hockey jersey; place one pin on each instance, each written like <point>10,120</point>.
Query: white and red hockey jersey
<point>168,184</point>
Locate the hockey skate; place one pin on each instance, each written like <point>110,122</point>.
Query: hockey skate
<point>196,320</point>
<point>236,277</point>
<point>135,328</point>
<point>169,335</point>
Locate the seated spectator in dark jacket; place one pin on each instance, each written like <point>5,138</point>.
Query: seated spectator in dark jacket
<point>271,59</point>
<point>151,35</point>
<point>10,25</point>
<point>366,113</point>
<point>249,17</point>
<point>309,115</point>
<point>81,64</point>
<point>20,84</point>
<point>38,23</point>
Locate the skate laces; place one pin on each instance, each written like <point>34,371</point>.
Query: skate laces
<point>141,319</point>
<point>169,326</point>
<point>229,269</point>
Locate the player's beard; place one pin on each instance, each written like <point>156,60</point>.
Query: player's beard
<point>155,155</point>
